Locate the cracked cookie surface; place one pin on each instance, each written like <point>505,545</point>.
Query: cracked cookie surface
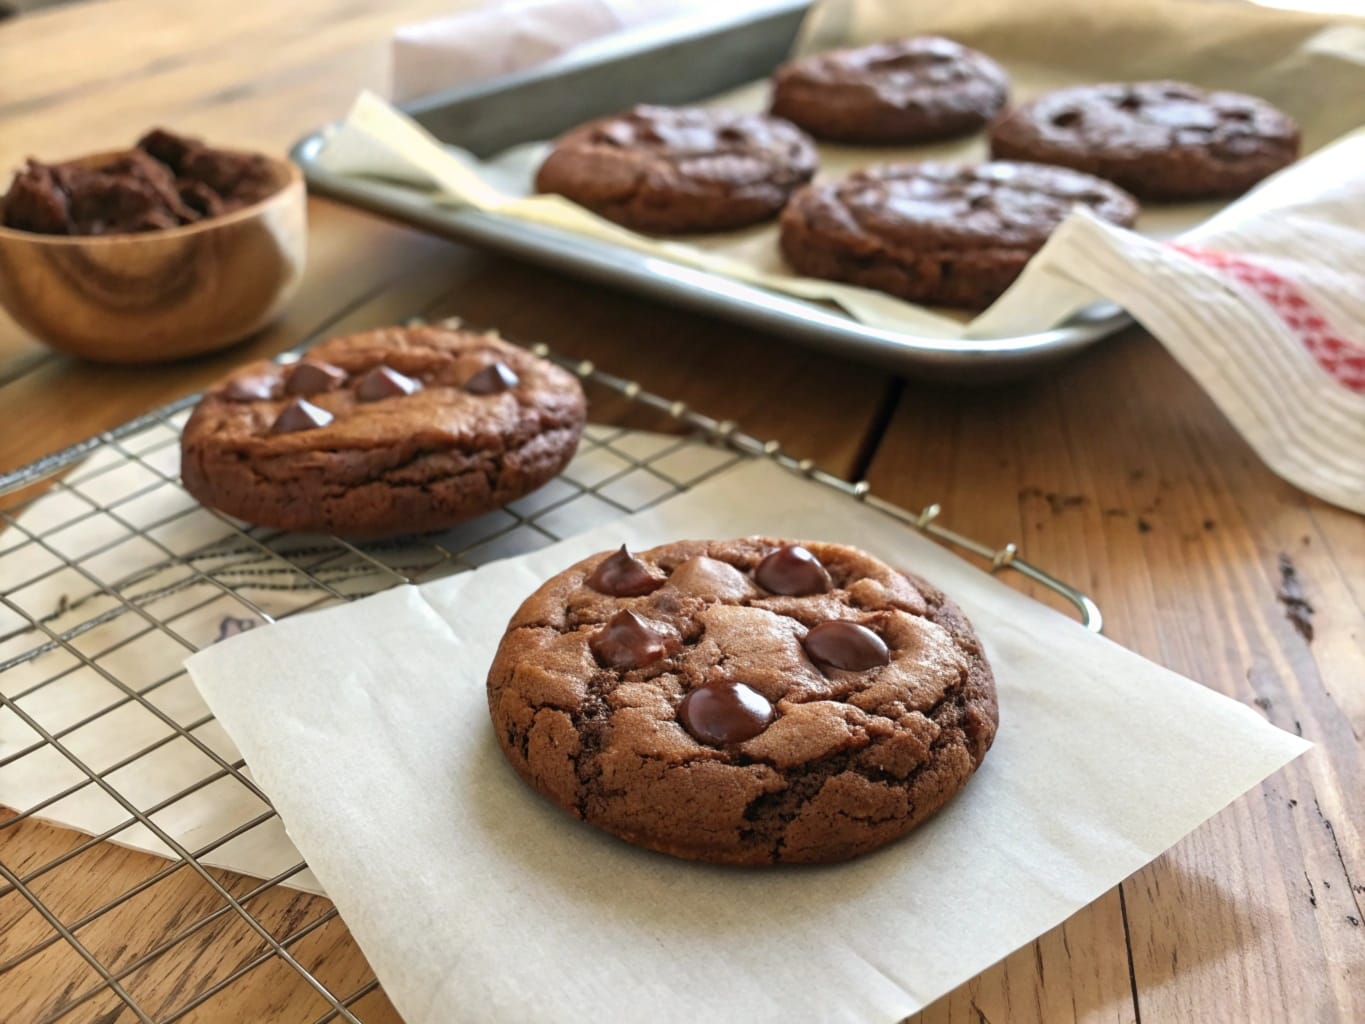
<point>397,430</point>
<point>689,699</point>
<point>680,169</point>
<point>1159,140</point>
<point>903,91</point>
<point>941,234</point>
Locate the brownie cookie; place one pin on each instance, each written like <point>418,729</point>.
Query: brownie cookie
<point>939,234</point>
<point>907,91</point>
<point>393,431</point>
<point>1159,140</point>
<point>667,169</point>
<point>749,701</point>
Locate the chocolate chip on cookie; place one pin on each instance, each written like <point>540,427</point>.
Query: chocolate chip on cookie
<point>938,234</point>
<point>624,575</point>
<point>680,169</point>
<point>310,377</point>
<point>300,414</point>
<point>695,700</point>
<point>385,382</point>
<point>378,434</point>
<point>906,91</point>
<point>1159,140</point>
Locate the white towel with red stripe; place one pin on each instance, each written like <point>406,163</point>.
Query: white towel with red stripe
<point>1263,304</point>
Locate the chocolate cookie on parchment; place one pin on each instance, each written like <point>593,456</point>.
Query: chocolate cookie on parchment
<point>752,701</point>
<point>901,92</point>
<point>938,234</point>
<point>1158,140</point>
<point>680,169</point>
<point>393,431</point>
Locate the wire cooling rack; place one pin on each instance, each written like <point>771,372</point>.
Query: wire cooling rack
<point>109,578</point>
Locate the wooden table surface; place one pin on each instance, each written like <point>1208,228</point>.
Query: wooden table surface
<point>1113,470</point>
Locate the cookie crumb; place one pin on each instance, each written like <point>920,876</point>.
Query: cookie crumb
<point>231,626</point>
<point>1061,502</point>
<point>1291,594</point>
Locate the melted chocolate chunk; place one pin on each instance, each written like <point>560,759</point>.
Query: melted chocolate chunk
<point>846,645</point>
<point>626,642</point>
<point>252,389</point>
<point>300,415</point>
<point>492,379</point>
<point>623,575</point>
<point>314,378</point>
<point>725,712</point>
<point>792,571</point>
<point>385,382</point>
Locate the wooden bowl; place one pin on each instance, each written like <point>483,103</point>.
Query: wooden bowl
<point>159,295</point>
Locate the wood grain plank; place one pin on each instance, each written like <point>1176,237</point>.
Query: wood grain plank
<point>257,75</point>
<point>1120,476</point>
<point>1115,471</point>
<point>363,273</point>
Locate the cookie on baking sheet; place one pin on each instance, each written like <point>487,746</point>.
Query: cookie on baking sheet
<point>905,91</point>
<point>748,701</point>
<point>680,169</point>
<point>398,430</point>
<point>938,234</point>
<point>1159,140</point>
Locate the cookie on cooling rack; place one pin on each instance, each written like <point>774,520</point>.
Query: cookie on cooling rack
<point>748,701</point>
<point>399,430</point>
<point>680,169</point>
<point>1159,140</point>
<point>900,92</point>
<point>939,234</point>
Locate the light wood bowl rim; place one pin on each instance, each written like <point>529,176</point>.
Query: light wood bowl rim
<point>291,179</point>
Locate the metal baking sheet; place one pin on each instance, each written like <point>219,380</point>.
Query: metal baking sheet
<point>683,64</point>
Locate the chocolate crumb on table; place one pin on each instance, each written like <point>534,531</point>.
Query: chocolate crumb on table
<point>1297,608</point>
